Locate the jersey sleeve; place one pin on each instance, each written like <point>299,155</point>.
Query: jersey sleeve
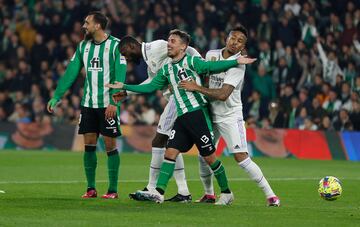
<point>235,75</point>
<point>71,73</point>
<point>206,67</point>
<point>120,72</point>
<point>157,83</point>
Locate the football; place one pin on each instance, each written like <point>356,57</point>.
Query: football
<point>330,188</point>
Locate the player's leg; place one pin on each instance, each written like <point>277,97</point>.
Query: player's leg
<point>110,129</point>
<point>165,126</point>
<point>178,141</point>
<point>88,127</point>
<point>206,177</point>
<point>202,134</point>
<point>157,157</point>
<point>234,134</point>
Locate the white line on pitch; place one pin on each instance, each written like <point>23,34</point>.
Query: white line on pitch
<point>144,181</point>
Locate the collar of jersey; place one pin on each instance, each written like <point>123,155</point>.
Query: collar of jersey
<point>101,41</point>
<point>175,62</point>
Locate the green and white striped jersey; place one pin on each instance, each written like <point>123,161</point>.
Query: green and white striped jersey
<point>188,68</point>
<point>103,64</point>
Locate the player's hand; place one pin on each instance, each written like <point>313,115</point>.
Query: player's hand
<point>52,104</point>
<point>245,60</point>
<point>119,96</point>
<point>116,85</point>
<point>189,85</point>
<point>110,112</point>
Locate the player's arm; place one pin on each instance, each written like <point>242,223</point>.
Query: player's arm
<point>214,93</point>
<point>65,82</point>
<point>232,79</point>
<point>156,84</point>
<point>120,74</point>
<point>207,67</point>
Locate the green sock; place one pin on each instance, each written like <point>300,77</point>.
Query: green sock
<point>113,164</point>
<point>219,172</point>
<point>90,162</point>
<point>166,172</point>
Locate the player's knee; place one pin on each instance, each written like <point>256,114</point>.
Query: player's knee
<point>90,138</point>
<point>241,156</point>
<point>210,159</point>
<point>110,143</point>
<point>171,153</point>
<point>159,140</point>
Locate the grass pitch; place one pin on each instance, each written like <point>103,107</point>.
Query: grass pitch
<point>44,189</point>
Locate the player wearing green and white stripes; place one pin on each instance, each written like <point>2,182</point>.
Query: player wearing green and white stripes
<point>103,63</point>
<point>193,124</point>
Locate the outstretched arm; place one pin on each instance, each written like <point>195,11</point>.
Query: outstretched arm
<point>156,84</point>
<point>206,67</point>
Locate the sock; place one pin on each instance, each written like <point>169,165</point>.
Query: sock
<point>113,164</point>
<point>90,162</point>
<point>166,172</point>
<point>179,175</point>
<point>220,175</point>
<point>206,176</point>
<point>255,174</point>
<point>157,157</point>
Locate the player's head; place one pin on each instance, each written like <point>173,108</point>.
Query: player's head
<point>178,41</point>
<point>130,48</point>
<point>94,22</point>
<point>236,40</point>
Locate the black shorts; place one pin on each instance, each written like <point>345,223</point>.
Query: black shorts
<point>93,121</point>
<point>193,128</point>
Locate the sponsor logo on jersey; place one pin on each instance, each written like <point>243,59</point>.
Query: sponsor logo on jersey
<point>95,65</point>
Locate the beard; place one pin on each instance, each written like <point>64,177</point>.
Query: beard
<point>87,35</point>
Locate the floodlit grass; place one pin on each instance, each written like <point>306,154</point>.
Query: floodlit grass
<point>44,189</point>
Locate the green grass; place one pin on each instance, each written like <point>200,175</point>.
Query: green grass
<point>44,189</point>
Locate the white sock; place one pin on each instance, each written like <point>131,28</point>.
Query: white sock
<point>206,176</point>
<point>255,173</point>
<point>157,158</point>
<point>179,175</point>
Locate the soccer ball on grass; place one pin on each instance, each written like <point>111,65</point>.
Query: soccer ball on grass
<point>330,188</point>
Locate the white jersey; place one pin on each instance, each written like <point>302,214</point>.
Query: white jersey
<point>232,107</point>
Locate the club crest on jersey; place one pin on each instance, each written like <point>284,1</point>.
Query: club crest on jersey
<point>95,65</point>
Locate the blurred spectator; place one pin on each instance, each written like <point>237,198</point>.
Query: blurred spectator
<point>342,121</point>
<point>308,55</point>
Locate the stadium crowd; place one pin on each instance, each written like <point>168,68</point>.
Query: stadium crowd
<point>307,75</point>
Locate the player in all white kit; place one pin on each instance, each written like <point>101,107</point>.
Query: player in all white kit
<point>155,55</point>
<point>226,107</point>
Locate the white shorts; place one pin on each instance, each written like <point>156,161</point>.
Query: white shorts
<point>168,117</point>
<point>234,133</point>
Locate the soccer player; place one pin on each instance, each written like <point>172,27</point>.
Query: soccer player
<point>103,63</point>
<point>193,124</point>
<point>226,108</point>
<point>155,55</point>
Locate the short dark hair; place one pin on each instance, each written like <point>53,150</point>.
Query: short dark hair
<point>126,40</point>
<point>99,18</point>
<point>184,36</point>
<point>240,28</point>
